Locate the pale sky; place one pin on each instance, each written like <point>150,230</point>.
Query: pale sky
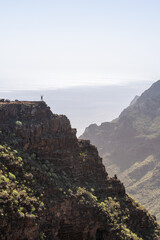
<point>47,44</point>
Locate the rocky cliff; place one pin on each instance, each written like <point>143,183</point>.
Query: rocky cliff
<point>129,146</point>
<point>54,186</point>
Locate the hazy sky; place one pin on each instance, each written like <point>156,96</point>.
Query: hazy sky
<point>59,43</point>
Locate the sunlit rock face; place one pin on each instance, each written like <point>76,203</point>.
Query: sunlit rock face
<point>54,186</point>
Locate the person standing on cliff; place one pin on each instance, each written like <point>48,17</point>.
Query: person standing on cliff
<point>41,97</point>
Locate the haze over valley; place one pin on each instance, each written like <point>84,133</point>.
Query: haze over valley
<point>130,147</point>
<point>86,104</point>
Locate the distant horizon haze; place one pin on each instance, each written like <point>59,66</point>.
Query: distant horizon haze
<point>84,105</point>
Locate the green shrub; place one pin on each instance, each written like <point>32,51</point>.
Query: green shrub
<point>1,148</point>
<point>42,236</point>
<point>15,193</point>
<point>18,123</point>
<point>12,176</point>
<point>3,179</point>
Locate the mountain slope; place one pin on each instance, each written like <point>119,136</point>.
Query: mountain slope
<point>54,186</point>
<point>129,146</point>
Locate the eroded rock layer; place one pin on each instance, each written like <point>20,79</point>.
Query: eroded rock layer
<point>54,186</point>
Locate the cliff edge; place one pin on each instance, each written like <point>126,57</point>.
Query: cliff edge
<point>54,186</point>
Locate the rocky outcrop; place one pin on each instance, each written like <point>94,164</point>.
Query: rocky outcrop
<point>39,126</point>
<point>54,186</point>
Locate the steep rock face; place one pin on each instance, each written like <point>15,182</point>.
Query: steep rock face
<point>51,132</point>
<point>54,186</point>
<point>130,146</point>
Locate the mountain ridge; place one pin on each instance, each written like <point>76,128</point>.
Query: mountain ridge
<point>129,140</point>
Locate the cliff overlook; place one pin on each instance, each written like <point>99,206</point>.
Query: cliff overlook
<point>129,146</point>
<point>54,186</point>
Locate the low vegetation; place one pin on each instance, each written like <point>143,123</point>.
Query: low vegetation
<point>50,181</point>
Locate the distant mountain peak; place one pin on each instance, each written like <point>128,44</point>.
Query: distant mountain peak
<point>156,84</point>
<point>153,91</point>
<point>134,100</point>
<point>130,146</point>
